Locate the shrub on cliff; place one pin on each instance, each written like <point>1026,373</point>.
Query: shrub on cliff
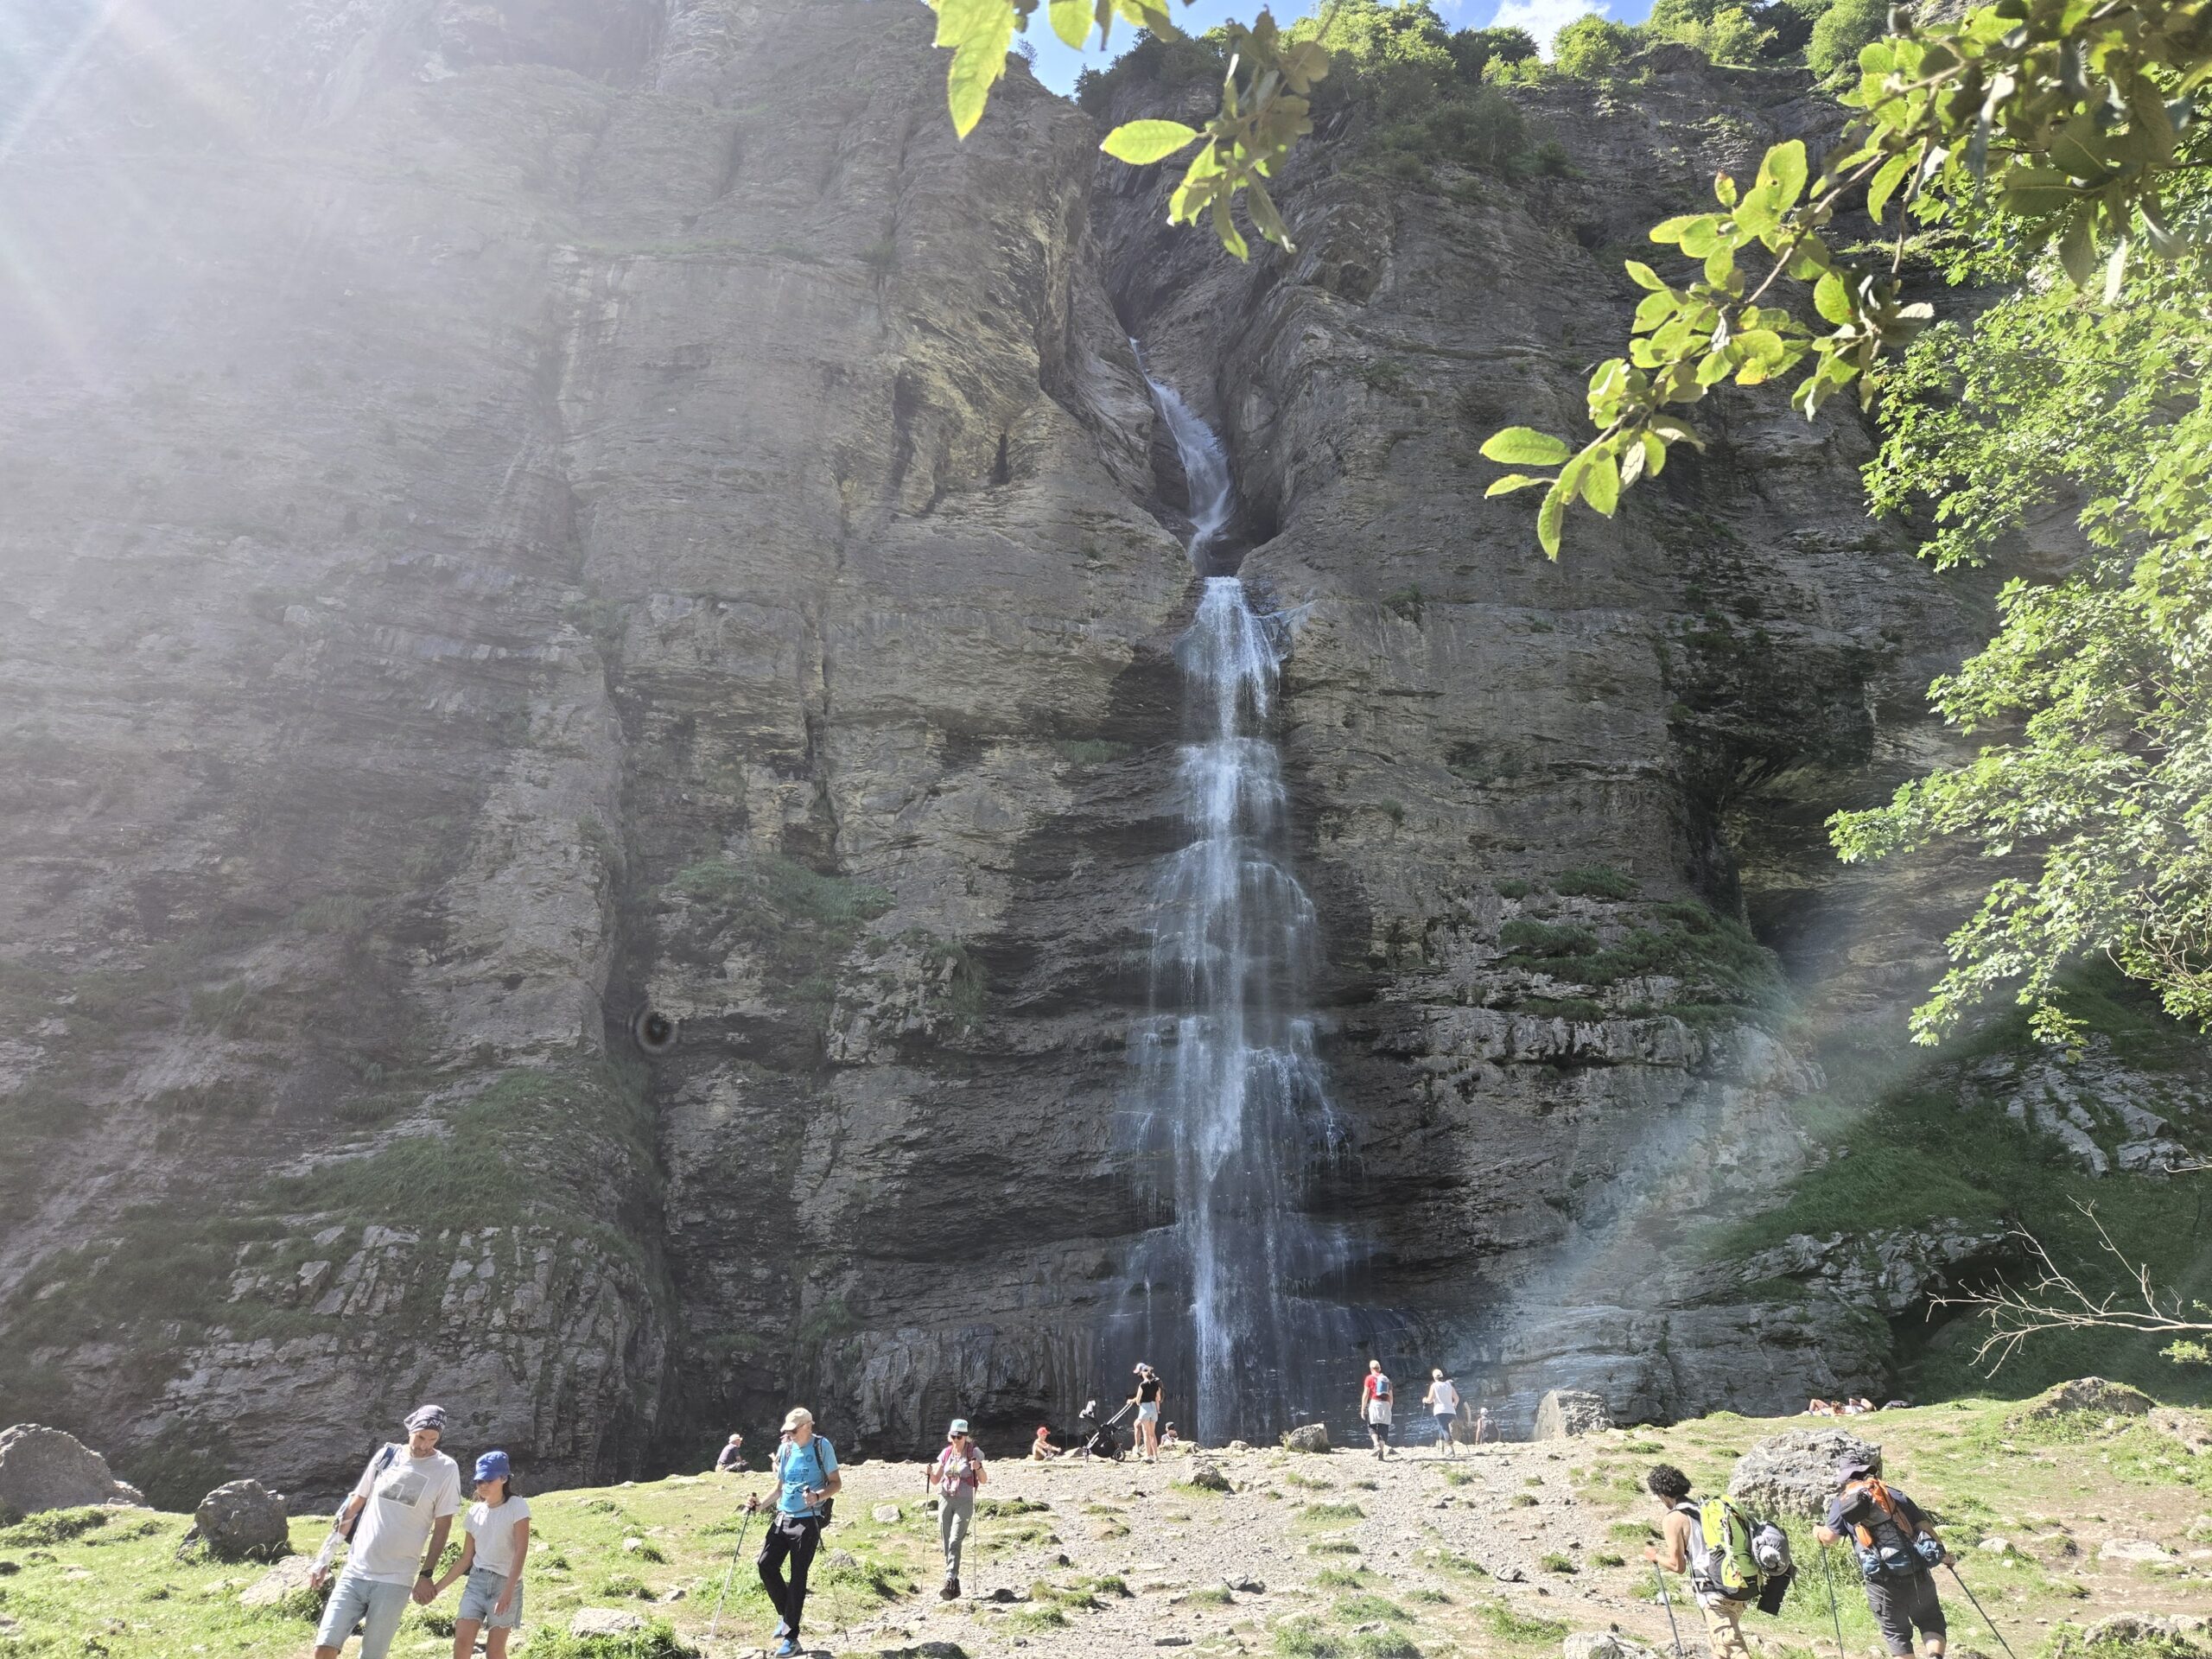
<point>1591,47</point>
<point>1841,31</point>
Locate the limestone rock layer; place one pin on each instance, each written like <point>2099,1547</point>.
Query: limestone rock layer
<point>588,702</point>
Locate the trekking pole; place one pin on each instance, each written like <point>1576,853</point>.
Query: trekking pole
<point>1983,1612</point>
<point>1828,1568</point>
<point>734,1555</point>
<point>1669,1606</point>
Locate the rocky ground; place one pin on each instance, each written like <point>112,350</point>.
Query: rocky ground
<point>1520,1550</point>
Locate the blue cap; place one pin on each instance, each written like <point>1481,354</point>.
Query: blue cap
<point>492,1465</point>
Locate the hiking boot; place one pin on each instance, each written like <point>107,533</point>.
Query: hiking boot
<point>787,1649</point>
<point>951,1591</point>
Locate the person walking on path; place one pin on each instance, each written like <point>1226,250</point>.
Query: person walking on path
<point>1898,1553</point>
<point>495,1541</point>
<point>1443,1402</point>
<point>1482,1424</point>
<point>401,1509</point>
<point>805,1468</point>
<point>1681,1549</point>
<point>1147,1400</point>
<point>953,1477</point>
<point>1375,1407</point>
<point>732,1460</point>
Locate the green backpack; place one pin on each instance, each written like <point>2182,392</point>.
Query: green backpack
<point>1721,1558</point>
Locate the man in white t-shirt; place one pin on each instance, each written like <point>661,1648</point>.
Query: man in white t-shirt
<point>405,1500</point>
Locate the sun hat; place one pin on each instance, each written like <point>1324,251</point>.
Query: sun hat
<point>427,1417</point>
<point>493,1465</point>
<point>795,1416</point>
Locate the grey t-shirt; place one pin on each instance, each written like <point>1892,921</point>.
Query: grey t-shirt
<point>404,1499</point>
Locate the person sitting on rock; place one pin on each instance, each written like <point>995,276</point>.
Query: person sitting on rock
<point>1898,1553</point>
<point>1169,1436</point>
<point>1681,1549</point>
<point>401,1509</point>
<point>732,1460</point>
<point>1041,1450</point>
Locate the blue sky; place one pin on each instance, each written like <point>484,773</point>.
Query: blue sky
<point>1057,66</point>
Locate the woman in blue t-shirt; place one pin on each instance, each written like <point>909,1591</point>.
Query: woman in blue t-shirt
<point>805,1468</point>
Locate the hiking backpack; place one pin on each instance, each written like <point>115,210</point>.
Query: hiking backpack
<point>1889,1546</point>
<point>1732,1556</point>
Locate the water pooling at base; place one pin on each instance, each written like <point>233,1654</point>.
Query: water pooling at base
<point>1228,1116</point>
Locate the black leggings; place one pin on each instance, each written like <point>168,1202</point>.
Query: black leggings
<point>796,1536</point>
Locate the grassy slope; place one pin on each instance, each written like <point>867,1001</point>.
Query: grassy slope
<point>1370,1565</point>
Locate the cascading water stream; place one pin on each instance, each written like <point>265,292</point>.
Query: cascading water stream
<point>1228,1113</point>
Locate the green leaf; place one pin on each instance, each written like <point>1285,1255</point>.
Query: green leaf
<point>1670,230</point>
<point>1885,184</point>
<point>1071,20</point>
<point>1601,484</point>
<point>1143,142</point>
<point>1831,299</point>
<point>1523,446</point>
<point>1511,482</point>
<point>1642,276</point>
<point>1784,169</point>
<point>1225,226</point>
<point>2077,249</point>
<point>1549,518</point>
<point>979,32</point>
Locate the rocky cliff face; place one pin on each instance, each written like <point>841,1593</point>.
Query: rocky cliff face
<point>588,708</point>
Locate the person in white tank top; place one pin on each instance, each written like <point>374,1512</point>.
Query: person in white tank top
<point>1443,1400</point>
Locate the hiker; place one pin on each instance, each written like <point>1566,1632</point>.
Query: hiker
<point>1482,1424</point>
<point>732,1460</point>
<point>805,1468</point>
<point>495,1539</point>
<point>397,1521</point>
<point>1375,1407</point>
<point>953,1477</point>
<point>1898,1553</point>
<point>1041,1450</point>
<point>1443,1402</point>
<point>1147,1400</point>
<point>1682,1549</point>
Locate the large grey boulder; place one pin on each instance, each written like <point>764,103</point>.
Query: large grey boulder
<point>1795,1473</point>
<point>1565,1412</point>
<point>605,1621</point>
<point>1307,1437</point>
<point>286,1584</point>
<point>43,1468</point>
<point>243,1520</point>
<point>2089,1397</point>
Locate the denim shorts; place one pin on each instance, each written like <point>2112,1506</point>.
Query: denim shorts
<point>1148,1411</point>
<point>354,1599</point>
<point>480,1594</point>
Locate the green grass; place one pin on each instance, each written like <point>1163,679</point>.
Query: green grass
<point>1330,1515</point>
<point>1508,1624</point>
<point>1555,1562</point>
<point>1365,1609</point>
<point>1594,881</point>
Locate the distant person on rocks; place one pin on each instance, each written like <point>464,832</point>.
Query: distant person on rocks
<point>1168,1436</point>
<point>1375,1407</point>
<point>953,1477</point>
<point>1681,1549</point>
<point>1482,1426</point>
<point>401,1509</point>
<point>805,1468</point>
<point>732,1460</point>
<point>1147,1400</point>
<point>495,1541</point>
<point>1041,1450</point>
<point>1898,1553</point>
<point>1443,1402</point>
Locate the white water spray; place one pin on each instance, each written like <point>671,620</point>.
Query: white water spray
<point>1229,1111</point>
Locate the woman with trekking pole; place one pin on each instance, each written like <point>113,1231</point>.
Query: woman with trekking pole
<point>1898,1553</point>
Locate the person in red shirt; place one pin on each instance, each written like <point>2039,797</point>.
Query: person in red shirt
<point>1375,1407</point>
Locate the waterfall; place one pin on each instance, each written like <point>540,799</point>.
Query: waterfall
<point>1229,1112</point>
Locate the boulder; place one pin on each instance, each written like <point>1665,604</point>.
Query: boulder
<point>241,1520</point>
<point>2092,1395</point>
<point>605,1621</point>
<point>280,1583</point>
<point>1207,1477</point>
<point>2188,1428</point>
<point>1307,1437</point>
<point>2148,1629</point>
<point>1564,1413</point>
<point>1793,1473</point>
<point>887,1515</point>
<point>1602,1644</point>
<point>2133,1552</point>
<point>43,1468</point>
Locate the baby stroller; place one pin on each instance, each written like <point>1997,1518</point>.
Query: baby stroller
<point>1101,1442</point>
